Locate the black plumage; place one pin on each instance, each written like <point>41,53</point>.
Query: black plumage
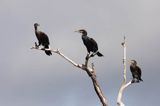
<point>42,39</point>
<point>90,43</point>
<point>136,71</point>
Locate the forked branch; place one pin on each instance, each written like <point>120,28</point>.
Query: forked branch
<point>90,71</point>
<point>124,84</point>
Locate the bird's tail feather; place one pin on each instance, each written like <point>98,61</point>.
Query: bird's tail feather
<point>48,52</point>
<point>140,79</point>
<point>99,54</point>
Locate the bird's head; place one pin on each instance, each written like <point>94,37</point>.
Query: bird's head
<point>82,31</point>
<point>133,62</point>
<point>36,25</point>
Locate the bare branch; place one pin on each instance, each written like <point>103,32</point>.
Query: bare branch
<point>69,60</point>
<point>92,74</point>
<point>90,71</point>
<point>124,84</point>
<point>119,98</point>
<point>62,55</point>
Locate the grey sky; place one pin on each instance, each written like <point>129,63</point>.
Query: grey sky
<point>30,78</point>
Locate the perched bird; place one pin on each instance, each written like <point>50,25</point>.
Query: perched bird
<point>136,71</point>
<point>42,39</point>
<point>90,43</point>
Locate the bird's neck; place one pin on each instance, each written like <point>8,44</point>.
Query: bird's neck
<point>84,34</point>
<point>84,37</point>
<point>36,29</point>
<point>133,65</point>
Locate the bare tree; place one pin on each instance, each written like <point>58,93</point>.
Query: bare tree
<point>124,83</point>
<point>90,71</point>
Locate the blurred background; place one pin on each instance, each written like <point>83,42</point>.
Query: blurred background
<point>31,78</point>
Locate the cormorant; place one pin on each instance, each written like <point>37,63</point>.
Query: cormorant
<point>90,43</point>
<point>42,39</point>
<point>136,71</point>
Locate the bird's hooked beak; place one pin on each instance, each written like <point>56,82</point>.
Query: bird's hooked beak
<point>76,31</point>
<point>130,61</point>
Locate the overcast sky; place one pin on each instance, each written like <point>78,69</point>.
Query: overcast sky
<point>30,78</point>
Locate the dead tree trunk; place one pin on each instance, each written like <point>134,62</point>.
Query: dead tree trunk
<point>124,83</point>
<point>90,71</point>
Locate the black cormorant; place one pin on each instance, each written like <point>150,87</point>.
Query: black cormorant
<point>42,39</point>
<point>90,43</point>
<point>136,71</point>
